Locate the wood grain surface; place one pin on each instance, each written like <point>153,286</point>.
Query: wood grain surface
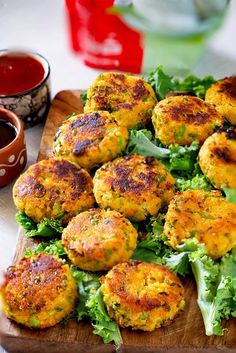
<point>186,334</point>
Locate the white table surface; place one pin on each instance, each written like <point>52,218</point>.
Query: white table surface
<point>41,26</point>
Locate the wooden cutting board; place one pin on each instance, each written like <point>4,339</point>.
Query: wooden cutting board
<point>186,334</point>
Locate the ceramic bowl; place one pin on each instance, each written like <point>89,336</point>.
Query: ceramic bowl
<point>13,156</point>
<point>31,105</point>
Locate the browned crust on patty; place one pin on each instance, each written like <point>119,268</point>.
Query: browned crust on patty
<point>34,281</point>
<point>190,110</point>
<point>124,181</point>
<point>79,180</point>
<point>119,285</point>
<point>224,154</point>
<point>53,187</point>
<point>227,86</point>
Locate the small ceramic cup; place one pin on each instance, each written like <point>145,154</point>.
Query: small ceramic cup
<point>32,105</point>
<point>13,156</point>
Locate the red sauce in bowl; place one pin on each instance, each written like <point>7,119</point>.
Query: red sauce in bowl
<point>19,72</point>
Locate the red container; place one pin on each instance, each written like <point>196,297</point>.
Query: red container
<point>102,38</point>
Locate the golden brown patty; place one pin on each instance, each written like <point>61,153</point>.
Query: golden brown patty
<point>217,158</point>
<point>53,187</point>
<point>129,98</point>
<point>134,185</point>
<point>222,95</point>
<point>39,291</point>
<point>96,240</point>
<point>184,119</point>
<point>90,139</point>
<point>205,215</point>
<point>142,295</point>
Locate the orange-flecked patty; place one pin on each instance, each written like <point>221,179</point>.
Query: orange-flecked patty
<point>217,158</point>
<point>136,186</point>
<point>222,95</point>
<point>53,187</point>
<point>90,139</point>
<point>205,215</point>
<point>129,98</point>
<point>144,296</point>
<point>96,240</point>
<point>39,291</point>
<point>184,119</point>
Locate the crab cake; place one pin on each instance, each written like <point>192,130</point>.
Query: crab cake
<point>39,291</point>
<point>136,186</point>
<point>96,240</point>
<point>90,139</point>
<point>52,188</point>
<point>144,296</point>
<point>205,215</point>
<point>217,158</point>
<point>129,98</point>
<point>184,119</point>
<point>222,95</point>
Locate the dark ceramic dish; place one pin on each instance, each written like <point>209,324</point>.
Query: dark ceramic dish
<point>13,155</point>
<point>30,105</point>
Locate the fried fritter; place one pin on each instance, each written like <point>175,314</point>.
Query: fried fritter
<point>96,240</point>
<point>52,188</point>
<point>217,158</point>
<point>90,139</point>
<point>136,186</point>
<point>184,119</point>
<point>39,291</point>
<point>144,296</point>
<point>129,98</point>
<point>205,215</point>
<point>222,95</point>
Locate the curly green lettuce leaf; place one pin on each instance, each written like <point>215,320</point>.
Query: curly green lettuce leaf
<point>153,247</point>
<point>140,142</point>
<point>198,182</point>
<point>103,325</point>
<point>228,264</point>
<point>178,263</point>
<point>147,255</point>
<point>163,83</point>
<point>45,228</point>
<point>228,269</point>
<point>215,292</point>
<point>53,247</point>
<point>196,85</point>
<point>83,97</point>
<point>216,284</point>
<point>88,284</point>
<point>230,194</point>
<point>183,158</point>
<point>91,305</point>
<point>192,245</point>
<point>26,222</point>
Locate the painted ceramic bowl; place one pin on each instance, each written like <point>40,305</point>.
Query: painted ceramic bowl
<point>24,86</point>
<point>13,155</point>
